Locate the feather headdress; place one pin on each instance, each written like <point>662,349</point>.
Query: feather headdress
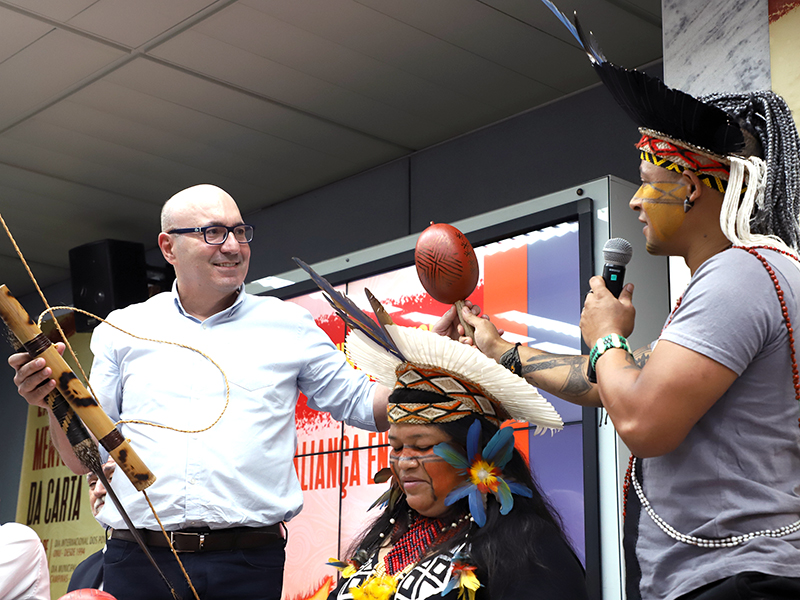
<point>655,106</point>
<point>405,357</point>
<point>681,132</point>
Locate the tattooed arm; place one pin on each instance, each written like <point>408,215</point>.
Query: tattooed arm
<point>653,398</point>
<point>562,375</point>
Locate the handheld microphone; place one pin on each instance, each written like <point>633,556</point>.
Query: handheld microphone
<point>617,253</point>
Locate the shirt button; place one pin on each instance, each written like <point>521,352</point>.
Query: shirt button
<point>192,481</point>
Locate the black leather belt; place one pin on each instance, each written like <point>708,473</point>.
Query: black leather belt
<point>234,538</point>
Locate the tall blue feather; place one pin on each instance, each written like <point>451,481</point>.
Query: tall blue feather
<point>473,440</point>
<point>497,443</point>
<point>591,48</point>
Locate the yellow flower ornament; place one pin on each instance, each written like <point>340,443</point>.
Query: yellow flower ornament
<point>377,587</point>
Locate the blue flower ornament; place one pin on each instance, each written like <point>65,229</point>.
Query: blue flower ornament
<point>483,470</point>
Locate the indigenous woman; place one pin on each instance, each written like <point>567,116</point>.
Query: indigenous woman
<point>463,517</point>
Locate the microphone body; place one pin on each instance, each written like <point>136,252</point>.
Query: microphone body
<point>614,276</point>
<point>617,253</point>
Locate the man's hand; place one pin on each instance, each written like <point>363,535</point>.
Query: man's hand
<point>32,377</point>
<point>487,336</point>
<point>604,314</point>
<point>449,325</point>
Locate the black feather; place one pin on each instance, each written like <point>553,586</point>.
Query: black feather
<point>350,313</point>
<point>653,105</point>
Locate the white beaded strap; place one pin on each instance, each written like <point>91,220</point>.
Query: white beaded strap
<point>727,542</point>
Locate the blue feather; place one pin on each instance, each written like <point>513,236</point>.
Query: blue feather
<point>589,44</point>
<point>498,442</point>
<point>503,494</point>
<point>505,453</point>
<point>476,507</point>
<point>459,493</point>
<point>563,18</point>
<point>382,501</point>
<point>451,455</point>
<point>451,585</point>
<point>473,440</point>
<point>337,563</point>
<point>519,489</point>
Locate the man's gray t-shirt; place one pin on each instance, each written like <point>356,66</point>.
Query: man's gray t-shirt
<point>738,470</point>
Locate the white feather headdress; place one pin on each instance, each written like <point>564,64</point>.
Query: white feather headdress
<point>510,395</point>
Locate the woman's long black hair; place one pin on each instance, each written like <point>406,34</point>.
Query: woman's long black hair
<point>502,547</point>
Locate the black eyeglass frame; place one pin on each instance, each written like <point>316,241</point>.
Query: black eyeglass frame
<point>227,229</point>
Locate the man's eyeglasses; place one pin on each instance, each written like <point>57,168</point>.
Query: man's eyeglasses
<point>217,234</point>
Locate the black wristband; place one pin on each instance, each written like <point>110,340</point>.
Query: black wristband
<point>511,361</point>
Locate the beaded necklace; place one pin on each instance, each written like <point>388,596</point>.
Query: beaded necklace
<point>414,543</point>
<point>405,554</point>
<point>630,474</point>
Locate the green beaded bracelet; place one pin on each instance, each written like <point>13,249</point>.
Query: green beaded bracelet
<point>613,340</point>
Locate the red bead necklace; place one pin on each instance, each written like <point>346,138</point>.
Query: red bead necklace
<point>414,543</point>
<point>784,311</point>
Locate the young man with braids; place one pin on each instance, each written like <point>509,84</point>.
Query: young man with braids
<point>710,410</point>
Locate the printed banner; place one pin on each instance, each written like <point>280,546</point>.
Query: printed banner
<point>52,500</point>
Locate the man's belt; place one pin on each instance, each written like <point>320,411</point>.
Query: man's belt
<point>234,538</point>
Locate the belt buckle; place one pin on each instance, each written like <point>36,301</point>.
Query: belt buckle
<point>176,536</point>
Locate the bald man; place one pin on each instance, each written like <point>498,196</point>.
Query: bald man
<point>224,488</point>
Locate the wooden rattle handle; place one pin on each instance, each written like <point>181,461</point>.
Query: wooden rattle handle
<point>469,330</point>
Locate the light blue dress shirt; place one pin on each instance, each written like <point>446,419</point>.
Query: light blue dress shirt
<point>240,472</point>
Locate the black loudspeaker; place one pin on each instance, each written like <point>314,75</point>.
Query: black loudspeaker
<point>106,275</point>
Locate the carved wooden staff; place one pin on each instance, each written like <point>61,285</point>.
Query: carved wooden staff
<point>70,387</point>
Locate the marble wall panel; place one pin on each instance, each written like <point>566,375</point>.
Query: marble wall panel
<point>716,45</point>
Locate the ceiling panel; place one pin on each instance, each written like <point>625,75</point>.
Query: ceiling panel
<point>62,10</point>
<point>628,31</point>
<point>17,32</point>
<point>284,122</point>
<point>56,61</point>
<point>172,162</point>
<point>134,23</point>
<point>482,30</point>
<point>272,80</point>
<point>34,218</point>
<point>58,157</point>
<point>265,36</point>
<point>407,47</point>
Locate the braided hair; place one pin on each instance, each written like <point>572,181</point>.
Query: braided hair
<point>766,115</point>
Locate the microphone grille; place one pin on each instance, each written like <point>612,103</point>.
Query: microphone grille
<point>617,251</point>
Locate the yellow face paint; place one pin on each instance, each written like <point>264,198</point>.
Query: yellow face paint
<point>662,204</point>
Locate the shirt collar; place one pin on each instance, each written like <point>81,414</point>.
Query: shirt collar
<point>240,298</point>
